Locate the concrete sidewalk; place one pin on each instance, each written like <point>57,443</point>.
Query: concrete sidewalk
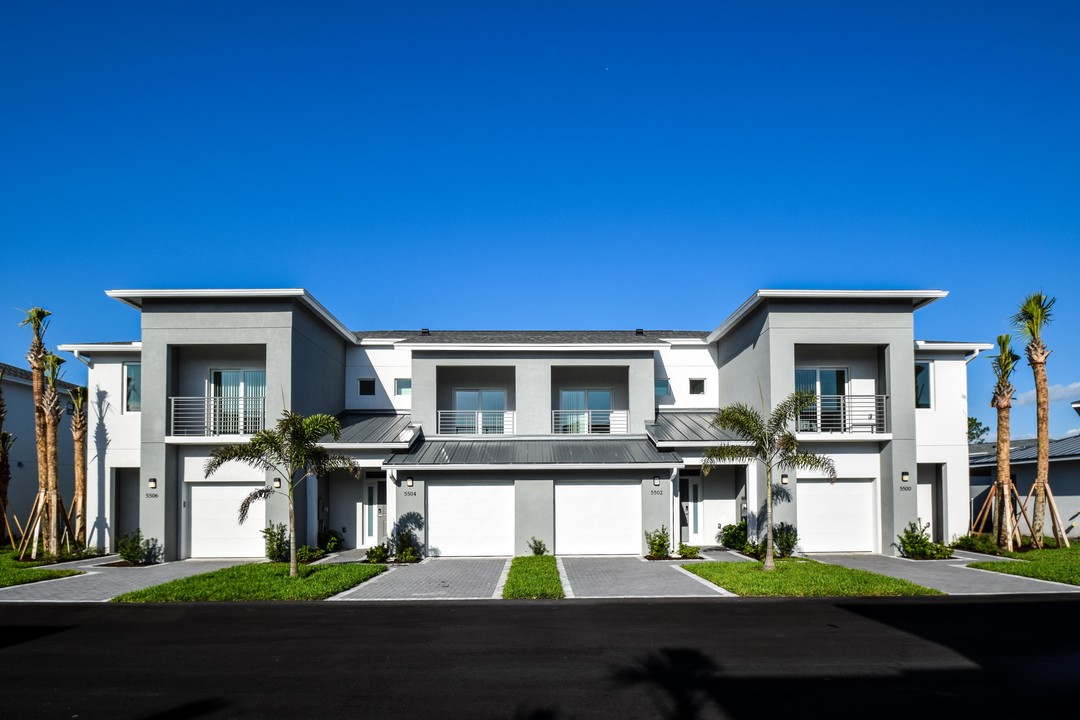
<point>100,584</point>
<point>948,576</point>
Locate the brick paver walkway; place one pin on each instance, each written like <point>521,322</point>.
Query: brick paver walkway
<point>104,583</point>
<point>597,577</point>
<point>434,579</point>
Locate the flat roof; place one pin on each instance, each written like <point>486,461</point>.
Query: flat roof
<point>113,347</point>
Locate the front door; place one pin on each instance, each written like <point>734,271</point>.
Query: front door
<point>372,514</point>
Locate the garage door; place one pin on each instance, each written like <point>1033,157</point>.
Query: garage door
<point>470,519</point>
<point>837,517</point>
<point>215,531</point>
<point>598,518</point>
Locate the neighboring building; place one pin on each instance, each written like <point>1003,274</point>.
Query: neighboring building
<point>481,440</point>
<point>1064,479</point>
<point>19,421</point>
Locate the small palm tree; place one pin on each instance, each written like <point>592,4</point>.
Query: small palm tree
<point>1004,363</point>
<point>291,450</point>
<point>36,320</point>
<point>1032,317</point>
<point>78,434</point>
<point>772,444</point>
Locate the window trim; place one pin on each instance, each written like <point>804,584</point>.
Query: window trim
<point>374,387</point>
<point>929,385</point>
<point>124,405</point>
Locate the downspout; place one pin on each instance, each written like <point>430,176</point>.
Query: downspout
<point>84,360</point>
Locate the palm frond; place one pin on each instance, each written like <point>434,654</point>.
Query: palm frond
<point>743,420</point>
<point>808,461</point>
<point>1033,315</point>
<point>318,426</point>
<point>788,409</point>
<point>35,318</point>
<point>52,364</point>
<point>261,494</point>
<point>78,399</point>
<point>719,454</point>
<point>247,454</point>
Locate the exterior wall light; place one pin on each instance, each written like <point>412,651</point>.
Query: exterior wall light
<point>784,479</point>
<point>152,483</point>
<point>277,483</point>
<point>656,480</point>
<point>905,476</point>
<point>408,481</point>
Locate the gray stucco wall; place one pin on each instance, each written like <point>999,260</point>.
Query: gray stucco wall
<point>534,513</point>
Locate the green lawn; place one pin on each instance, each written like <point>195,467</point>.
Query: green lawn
<point>1058,565</point>
<point>533,577</point>
<point>259,581</point>
<point>799,577</point>
<point>13,572</point>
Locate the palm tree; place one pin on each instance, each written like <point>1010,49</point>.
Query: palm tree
<point>772,444</point>
<point>78,434</point>
<point>6,441</point>
<point>1032,317</point>
<point>36,320</point>
<point>50,401</point>
<point>292,451</point>
<point>1004,363</point>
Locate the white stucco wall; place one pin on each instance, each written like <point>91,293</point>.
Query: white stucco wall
<point>384,363</point>
<point>683,360</point>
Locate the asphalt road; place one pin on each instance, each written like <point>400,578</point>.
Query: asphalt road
<point>738,658</point>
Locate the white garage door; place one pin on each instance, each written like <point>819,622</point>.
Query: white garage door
<point>598,518</point>
<point>837,517</point>
<point>470,519</point>
<point>215,532</point>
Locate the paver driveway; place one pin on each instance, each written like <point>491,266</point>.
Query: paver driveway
<point>627,577</point>
<point>104,583</point>
<point>436,579</point>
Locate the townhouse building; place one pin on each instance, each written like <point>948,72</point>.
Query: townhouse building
<point>479,441</point>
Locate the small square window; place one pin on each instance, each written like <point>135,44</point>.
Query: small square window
<point>663,387</point>
<point>366,386</point>
<point>697,386</point>
<point>403,386</point>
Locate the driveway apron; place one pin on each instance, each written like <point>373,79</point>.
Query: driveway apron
<point>434,579</point>
<point>608,577</point>
<point>104,583</point>
<point>948,576</point>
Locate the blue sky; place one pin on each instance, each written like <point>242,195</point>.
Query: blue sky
<point>545,165</point>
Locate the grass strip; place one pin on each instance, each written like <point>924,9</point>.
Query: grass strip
<point>259,581</point>
<point>16,572</point>
<point>800,577</point>
<point>533,578</point>
<point>1054,564</point>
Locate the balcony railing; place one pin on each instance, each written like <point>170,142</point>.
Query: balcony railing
<point>208,416</point>
<point>476,422</point>
<point>590,422</point>
<point>858,414</point>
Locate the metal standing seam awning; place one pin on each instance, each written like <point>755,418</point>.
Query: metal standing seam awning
<point>532,454</point>
<point>688,429</point>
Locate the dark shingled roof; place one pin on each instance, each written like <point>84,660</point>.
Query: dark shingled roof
<point>693,426</point>
<point>1068,447</point>
<point>529,337</point>
<point>587,451</point>
<point>374,429</point>
<point>12,371</point>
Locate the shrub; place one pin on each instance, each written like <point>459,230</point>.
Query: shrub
<point>277,542</point>
<point>658,542</point>
<point>733,537</point>
<point>785,538</point>
<point>307,554</point>
<point>404,540</point>
<point>136,550</point>
<point>378,553</point>
<point>330,540</point>
<point>688,552</point>
<point>755,549</point>
<point>537,546</point>
<point>917,545</point>
<point>408,554</point>
<point>977,542</point>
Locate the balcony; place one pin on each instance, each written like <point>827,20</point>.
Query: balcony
<point>212,416</point>
<point>476,422</point>
<point>590,422</point>
<point>847,414</point>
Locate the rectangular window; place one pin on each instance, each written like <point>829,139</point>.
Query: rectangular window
<point>366,386</point>
<point>132,387</point>
<point>662,387</point>
<point>403,386</point>
<point>922,385</point>
<point>697,386</point>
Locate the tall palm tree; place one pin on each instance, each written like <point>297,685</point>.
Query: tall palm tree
<point>6,441</point>
<point>50,401</point>
<point>1004,363</point>
<point>292,451</point>
<point>78,434</point>
<point>36,320</point>
<point>772,444</point>
<point>1032,317</point>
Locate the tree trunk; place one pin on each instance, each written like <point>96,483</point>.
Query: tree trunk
<point>78,430</point>
<point>1003,521</point>
<point>1042,416</point>
<point>770,562</point>
<point>52,537</point>
<point>36,358</point>
<point>294,569</point>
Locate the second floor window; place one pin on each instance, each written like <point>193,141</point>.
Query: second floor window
<point>922,385</point>
<point>366,387</point>
<point>403,386</point>
<point>697,386</point>
<point>132,387</point>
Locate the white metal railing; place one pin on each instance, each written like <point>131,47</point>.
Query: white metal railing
<point>590,422</point>
<point>846,414</point>
<point>206,416</point>
<point>476,422</point>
